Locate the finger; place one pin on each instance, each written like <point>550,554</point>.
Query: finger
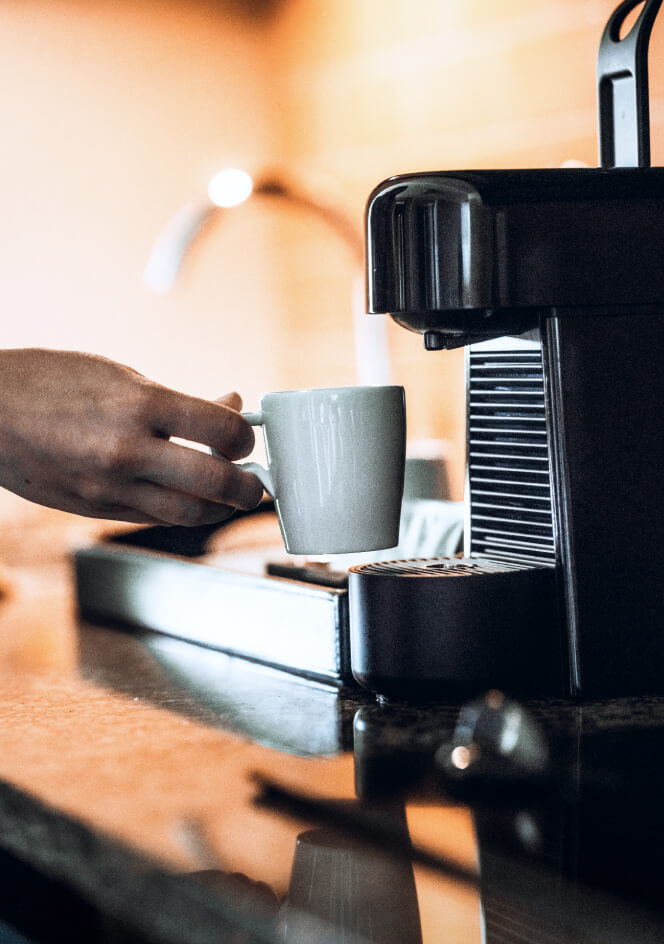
<point>233,400</point>
<point>144,503</point>
<point>130,515</point>
<point>111,512</point>
<point>175,507</point>
<point>198,474</point>
<point>202,421</point>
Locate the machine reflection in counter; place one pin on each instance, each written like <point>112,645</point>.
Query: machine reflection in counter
<point>340,885</point>
<point>273,707</point>
<point>565,801</point>
<point>340,892</point>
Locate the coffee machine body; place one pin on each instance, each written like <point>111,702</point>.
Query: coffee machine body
<point>564,457</point>
<point>553,281</point>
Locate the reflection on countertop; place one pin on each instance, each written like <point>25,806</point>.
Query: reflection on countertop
<point>271,707</point>
<point>131,764</point>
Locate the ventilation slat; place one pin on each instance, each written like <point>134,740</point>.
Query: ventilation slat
<point>521,539</point>
<point>499,440</point>
<point>509,468</point>
<point>520,511</point>
<point>520,421</point>
<point>517,398</point>
<point>522,457</point>
<point>510,483</point>
<point>508,458</point>
<point>527,434</point>
<point>506,494</point>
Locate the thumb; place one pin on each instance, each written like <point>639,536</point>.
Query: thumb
<point>233,400</point>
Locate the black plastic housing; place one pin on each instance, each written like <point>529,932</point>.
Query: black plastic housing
<point>466,255</point>
<point>573,261</point>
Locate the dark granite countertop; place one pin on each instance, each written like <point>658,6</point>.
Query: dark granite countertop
<point>155,790</point>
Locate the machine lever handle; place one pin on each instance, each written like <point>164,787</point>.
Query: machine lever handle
<point>622,84</point>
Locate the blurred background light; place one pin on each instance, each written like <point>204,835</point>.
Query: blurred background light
<point>230,187</point>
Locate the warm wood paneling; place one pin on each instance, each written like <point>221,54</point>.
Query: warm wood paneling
<point>114,114</point>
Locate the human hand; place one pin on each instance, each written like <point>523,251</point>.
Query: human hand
<point>87,435</point>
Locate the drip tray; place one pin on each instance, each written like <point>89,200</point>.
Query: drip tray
<point>295,625</point>
<point>440,626</point>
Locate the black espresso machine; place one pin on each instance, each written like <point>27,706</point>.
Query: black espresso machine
<point>553,280</point>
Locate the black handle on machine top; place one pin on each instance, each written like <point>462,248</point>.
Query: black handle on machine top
<point>622,82</point>
<point>464,256</point>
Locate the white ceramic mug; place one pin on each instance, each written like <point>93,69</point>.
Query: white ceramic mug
<point>336,466</point>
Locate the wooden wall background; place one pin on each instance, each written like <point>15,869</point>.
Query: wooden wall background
<point>114,114</point>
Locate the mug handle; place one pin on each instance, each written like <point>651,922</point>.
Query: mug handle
<point>256,419</point>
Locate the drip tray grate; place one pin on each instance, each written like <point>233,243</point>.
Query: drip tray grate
<point>485,624</point>
<point>439,567</point>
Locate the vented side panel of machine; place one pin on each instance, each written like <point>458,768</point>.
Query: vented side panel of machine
<point>509,474</point>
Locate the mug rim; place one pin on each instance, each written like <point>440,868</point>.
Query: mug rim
<point>359,388</point>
